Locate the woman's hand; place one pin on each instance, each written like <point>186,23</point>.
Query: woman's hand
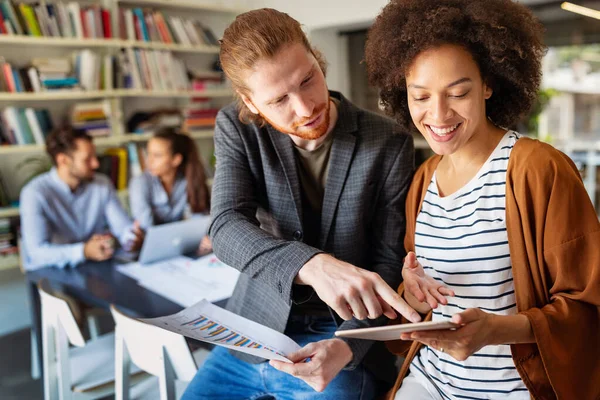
<point>421,286</point>
<point>477,330</point>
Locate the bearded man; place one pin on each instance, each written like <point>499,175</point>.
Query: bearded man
<point>308,203</point>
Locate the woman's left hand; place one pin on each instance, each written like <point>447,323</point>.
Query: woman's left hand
<point>474,333</point>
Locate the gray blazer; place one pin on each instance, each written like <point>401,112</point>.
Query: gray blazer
<point>257,220</point>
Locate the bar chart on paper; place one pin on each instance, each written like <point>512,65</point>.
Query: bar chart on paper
<point>209,323</point>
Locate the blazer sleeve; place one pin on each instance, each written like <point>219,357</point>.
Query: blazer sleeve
<point>235,231</point>
<point>387,251</point>
<point>561,236</point>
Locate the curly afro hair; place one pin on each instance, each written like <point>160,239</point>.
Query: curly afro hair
<point>503,37</point>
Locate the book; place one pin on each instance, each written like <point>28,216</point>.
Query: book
<point>34,124</point>
<point>134,161</point>
<point>121,155</point>
<point>33,28</point>
<point>9,12</point>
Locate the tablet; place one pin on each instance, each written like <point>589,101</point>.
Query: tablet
<point>392,332</point>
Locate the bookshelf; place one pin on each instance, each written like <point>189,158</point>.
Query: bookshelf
<point>7,212</point>
<point>183,4</point>
<point>19,50</point>
<point>115,140</point>
<point>10,262</point>
<point>17,40</point>
<point>100,94</point>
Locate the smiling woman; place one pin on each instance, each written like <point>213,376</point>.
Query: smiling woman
<point>482,214</point>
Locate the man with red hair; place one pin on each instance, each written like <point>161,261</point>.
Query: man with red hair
<point>308,203</point>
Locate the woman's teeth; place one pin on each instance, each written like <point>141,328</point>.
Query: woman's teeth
<point>444,131</point>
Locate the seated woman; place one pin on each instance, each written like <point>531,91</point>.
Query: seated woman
<point>502,237</point>
<point>173,187</point>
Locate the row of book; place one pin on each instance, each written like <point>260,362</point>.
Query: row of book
<point>154,26</point>
<point>8,240</point>
<point>87,71</point>
<point>25,126</point>
<point>69,20</point>
<point>114,164</point>
<point>199,114</point>
<point>154,70</point>
<point>93,117</point>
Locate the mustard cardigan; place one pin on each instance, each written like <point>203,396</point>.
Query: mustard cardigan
<point>554,241</point>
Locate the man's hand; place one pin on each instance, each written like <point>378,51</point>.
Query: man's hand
<point>350,290</point>
<point>99,247</point>
<point>327,358</point>
<point>138,240</point>
<point>205,246</point>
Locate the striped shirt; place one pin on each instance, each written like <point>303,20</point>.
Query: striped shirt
<point>461,241</point>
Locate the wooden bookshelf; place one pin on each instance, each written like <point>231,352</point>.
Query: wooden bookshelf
<point>183,4</point>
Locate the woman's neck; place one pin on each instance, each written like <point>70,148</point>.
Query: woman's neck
<point>457,169</point>
<point>168,181</point>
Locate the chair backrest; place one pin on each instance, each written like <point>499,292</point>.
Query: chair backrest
<point>58,330</point>
<point>56,310</point>
<point>147,345</point>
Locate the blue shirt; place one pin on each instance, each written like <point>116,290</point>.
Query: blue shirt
<point>56,222</point>
<point>151,205</point>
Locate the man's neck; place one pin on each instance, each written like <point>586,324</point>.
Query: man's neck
<point>67,178</point>
<point>311,145</point>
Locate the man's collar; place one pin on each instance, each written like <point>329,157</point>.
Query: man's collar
<point>347,116</point>
<point>62,184</point>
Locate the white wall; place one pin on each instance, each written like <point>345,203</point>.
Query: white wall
<point>317,14</point>
<point>323,20</point>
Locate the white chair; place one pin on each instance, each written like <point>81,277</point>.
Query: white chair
<point>82,372</point>
<point>159,352</point>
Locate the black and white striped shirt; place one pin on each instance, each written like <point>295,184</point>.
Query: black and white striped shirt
<point>461,241</point>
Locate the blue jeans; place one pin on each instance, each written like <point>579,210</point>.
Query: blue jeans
<point>225,377</point>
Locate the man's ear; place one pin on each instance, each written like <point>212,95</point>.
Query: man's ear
<point>248,103</point>
<point>61,159</point>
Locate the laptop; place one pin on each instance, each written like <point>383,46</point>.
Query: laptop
<point>170,240</point>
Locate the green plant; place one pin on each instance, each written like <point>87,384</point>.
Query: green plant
<point>34,166</point>
<point>544,96</point>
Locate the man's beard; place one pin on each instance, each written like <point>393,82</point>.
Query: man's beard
<point>80,177</point>
<point>307,134</point>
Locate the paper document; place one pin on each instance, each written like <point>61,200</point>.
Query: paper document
<point>185,281</point>
<point>206,322</point>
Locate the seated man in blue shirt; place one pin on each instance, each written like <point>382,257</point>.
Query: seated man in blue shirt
<point>71,214</point>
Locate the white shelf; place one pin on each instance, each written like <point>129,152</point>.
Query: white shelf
<point>58,41</point>
<point>175,47</point>
<point>7,212</point>
<point>175,93</point>
<point>96,94</point>
<point>9,262</point>
<point>144,137</point>
<point>21,40</point>
<point>99,141</point>
<point>188,4</point>
<point>57,95</point>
